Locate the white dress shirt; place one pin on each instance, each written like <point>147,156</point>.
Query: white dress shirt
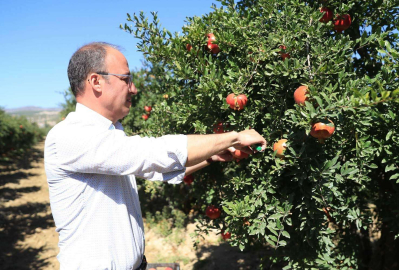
<point>91,167</point>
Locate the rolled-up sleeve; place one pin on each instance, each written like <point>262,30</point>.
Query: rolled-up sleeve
<point>176,149</point>
<point>92,150</point>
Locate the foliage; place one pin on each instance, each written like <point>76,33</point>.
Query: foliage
<point>69,104</point>
<point>163,222</point>
<point>316,206</point>
<point>17,135</point>
<point>149,94</point>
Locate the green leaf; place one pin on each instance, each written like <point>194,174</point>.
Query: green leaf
<point>350,171</point>
<point>282,243</point>
<point>286,234</point>
<point>332,162</point>
<point>275,216</point>
<point>388,136</point>
<point>273,231</point>
<point>390,167</point>
<point>288,221</point>
<point>395,176</point>
<point>272,237</point>
<point>373,166</point>
<point>388,46</point>
<point>177,64</point>
<point>273,244</point>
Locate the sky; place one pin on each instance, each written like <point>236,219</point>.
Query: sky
<point>37,39</point>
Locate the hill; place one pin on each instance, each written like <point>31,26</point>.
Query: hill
<point>42,116</point>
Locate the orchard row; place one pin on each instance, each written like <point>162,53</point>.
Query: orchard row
<point>17,135</point>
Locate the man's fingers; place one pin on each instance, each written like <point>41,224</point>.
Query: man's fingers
<point>251,137</point>
<point>261,146</point>
<point>227,158</point>
<point>246,149</point>
<point>231,149</point>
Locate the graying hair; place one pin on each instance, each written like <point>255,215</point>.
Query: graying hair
<point>89,58</point>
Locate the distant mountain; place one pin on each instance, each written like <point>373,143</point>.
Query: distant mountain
<point>31,109</point>
<point>41,116</point>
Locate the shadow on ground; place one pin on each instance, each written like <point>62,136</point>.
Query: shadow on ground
<point>236,260</point>
<point>10,194</point>
<point>13,177</point>
<point>20,221</point>
<point>23,161</point>
<point>17,223</point>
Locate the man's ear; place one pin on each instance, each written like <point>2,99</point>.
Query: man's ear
<point>95,82</point>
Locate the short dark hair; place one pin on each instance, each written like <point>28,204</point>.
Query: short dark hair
<point>88,58</point>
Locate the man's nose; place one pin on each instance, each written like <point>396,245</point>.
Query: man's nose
<point>133,89</point>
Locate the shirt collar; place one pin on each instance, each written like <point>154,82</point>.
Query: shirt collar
<point>98,118</point>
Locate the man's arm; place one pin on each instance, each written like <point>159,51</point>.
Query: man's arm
<point>197,167</point>
<point>201,147</point>
<point>223,156</point>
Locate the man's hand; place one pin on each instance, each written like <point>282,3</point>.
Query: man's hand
<point>223,156</point>
<point>201,147</point>
<point>249,137</point>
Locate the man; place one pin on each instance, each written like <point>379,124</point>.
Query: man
<point>91,164</point>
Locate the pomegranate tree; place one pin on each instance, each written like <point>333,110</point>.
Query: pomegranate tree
<point>279,200</point>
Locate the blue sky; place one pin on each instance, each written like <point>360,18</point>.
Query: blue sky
<point>37,39</point>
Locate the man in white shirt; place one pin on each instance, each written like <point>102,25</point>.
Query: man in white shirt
<point>91,164</point>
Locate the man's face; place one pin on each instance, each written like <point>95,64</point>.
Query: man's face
<point>117,92</point>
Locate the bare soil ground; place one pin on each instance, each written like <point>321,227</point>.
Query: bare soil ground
<point>28,239</point>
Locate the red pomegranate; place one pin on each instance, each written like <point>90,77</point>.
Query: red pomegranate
<point>218,128</point>
<point>213,48</point>
<point>225,235</point>
<point>188,179</point>
<point>212,212</point>
<point>237,102</point>
<point>231,100</point>
<point>300,95</point>
<point>211,37</point>
<point>240,154</point>
<point>342,22</point>
<point>322,130</point>
<point>328,15</point>
<point>283,53</point>
<point>241,101</point>
<point>280,147</point>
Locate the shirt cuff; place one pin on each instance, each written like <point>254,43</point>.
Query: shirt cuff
<point>175,177</point>
<point>181,152</point>
<point>180,143</point>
